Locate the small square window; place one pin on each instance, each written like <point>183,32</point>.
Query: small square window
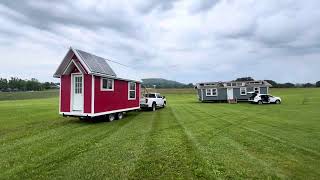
<point>107,84</point>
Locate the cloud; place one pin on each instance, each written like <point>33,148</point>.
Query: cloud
<point>184,40</point>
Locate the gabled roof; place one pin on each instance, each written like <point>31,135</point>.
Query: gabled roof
<point>96,65</point>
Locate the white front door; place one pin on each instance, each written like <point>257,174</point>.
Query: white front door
<point>230,93</point>
<point>77,93</point>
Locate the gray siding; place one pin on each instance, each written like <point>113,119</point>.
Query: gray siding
<point>237,95</point>
<point>222,94</point>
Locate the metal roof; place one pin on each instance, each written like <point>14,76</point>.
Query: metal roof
<point>98,66</point>
<point>95,63</point>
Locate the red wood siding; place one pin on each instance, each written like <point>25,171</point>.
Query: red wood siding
<point>116,99</point>
<point>87,93</point>
<point>65,93</point>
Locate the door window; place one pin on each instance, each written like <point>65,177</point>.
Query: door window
<point>78,85</point>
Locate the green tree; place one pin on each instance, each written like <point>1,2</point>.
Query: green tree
<point>245,79</point>
<point>318,84</point>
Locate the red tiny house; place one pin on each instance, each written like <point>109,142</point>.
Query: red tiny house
<point>89,86</point>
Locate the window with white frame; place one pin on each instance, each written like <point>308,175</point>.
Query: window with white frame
<point>107,84</point>
<point>132,90</point>
<point>257,90</point>
<point>243,91</point>
<point>212,92</point>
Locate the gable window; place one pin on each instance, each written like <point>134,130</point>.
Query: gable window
<point>212,92</point>
<point>243,91</point>
<point>132,90</point>
<point>257,90</point>
<point>107,84</point>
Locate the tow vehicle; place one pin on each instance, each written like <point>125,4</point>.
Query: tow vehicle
<point>153,101</point>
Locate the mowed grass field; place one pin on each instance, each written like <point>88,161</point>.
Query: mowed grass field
<point>185,140</point>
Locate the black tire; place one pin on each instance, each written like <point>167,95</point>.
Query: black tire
<point>111,117</point>
<point>120,115</point>
<point>154,105</point>
<point>260,102</point>
<point>278,102</point>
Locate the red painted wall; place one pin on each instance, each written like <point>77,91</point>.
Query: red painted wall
<point>65,93</point>
<point>116,99</point>
<point>87,93</point>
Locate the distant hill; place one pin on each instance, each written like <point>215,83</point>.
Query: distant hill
<point>163,83</point>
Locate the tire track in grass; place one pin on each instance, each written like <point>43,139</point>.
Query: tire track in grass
<point>301,148</point>
<point>40,137</point>
<point>219,169</point>
<point>68,152</point>
<point>168,153</point>
<point>113,157</point>
<point>201,167</point>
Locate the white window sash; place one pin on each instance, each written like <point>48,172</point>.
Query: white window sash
<point>132,90</point>
<point>106,80</point>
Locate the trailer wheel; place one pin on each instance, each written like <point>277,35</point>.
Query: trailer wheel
<point>260,102</point>
<point>120,115</point>
<point>154,106</point>
<point>111,117</point>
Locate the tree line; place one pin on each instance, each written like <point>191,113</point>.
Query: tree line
<point>17,84</point>
<point>283,85</point>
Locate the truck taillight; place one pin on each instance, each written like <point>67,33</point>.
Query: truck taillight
<point>146,100</point>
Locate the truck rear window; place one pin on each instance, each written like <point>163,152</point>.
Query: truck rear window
<point>150,95</point>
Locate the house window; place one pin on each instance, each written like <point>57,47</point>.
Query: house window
<point>257,90</point>
<point>243,91</point>
<point>212,92</point>
<point>107,84</point>
<point>132,90</point>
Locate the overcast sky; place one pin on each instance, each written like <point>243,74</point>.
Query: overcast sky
<point>187,41</point>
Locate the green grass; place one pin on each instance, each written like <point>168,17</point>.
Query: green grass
<point>28,95</point>
<point>186,140</point>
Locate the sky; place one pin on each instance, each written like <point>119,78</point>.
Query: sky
<point>186,41</point>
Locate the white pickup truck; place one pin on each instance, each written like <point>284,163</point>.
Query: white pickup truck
<point>152,101</point>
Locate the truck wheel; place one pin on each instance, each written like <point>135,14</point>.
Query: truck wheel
<point>120,115</point>
<point>153,106</point>
<point>260,102</point>
<point>111,117</point>
<point>278,102</point>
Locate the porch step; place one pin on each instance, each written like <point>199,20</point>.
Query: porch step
<point>232,101</point>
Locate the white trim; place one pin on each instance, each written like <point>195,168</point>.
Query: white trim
<point>75,64</point>
<point>245,89</point>
<point>92,93</point>
<point>101,84</point>
<point>201,94</point>
<point>60,96</point>
<point>211,93</point>
<point>71,95</point>
<point>135,90</point>
<point>114,77</point>
<point>98,114</point>
<point>82,62</point>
